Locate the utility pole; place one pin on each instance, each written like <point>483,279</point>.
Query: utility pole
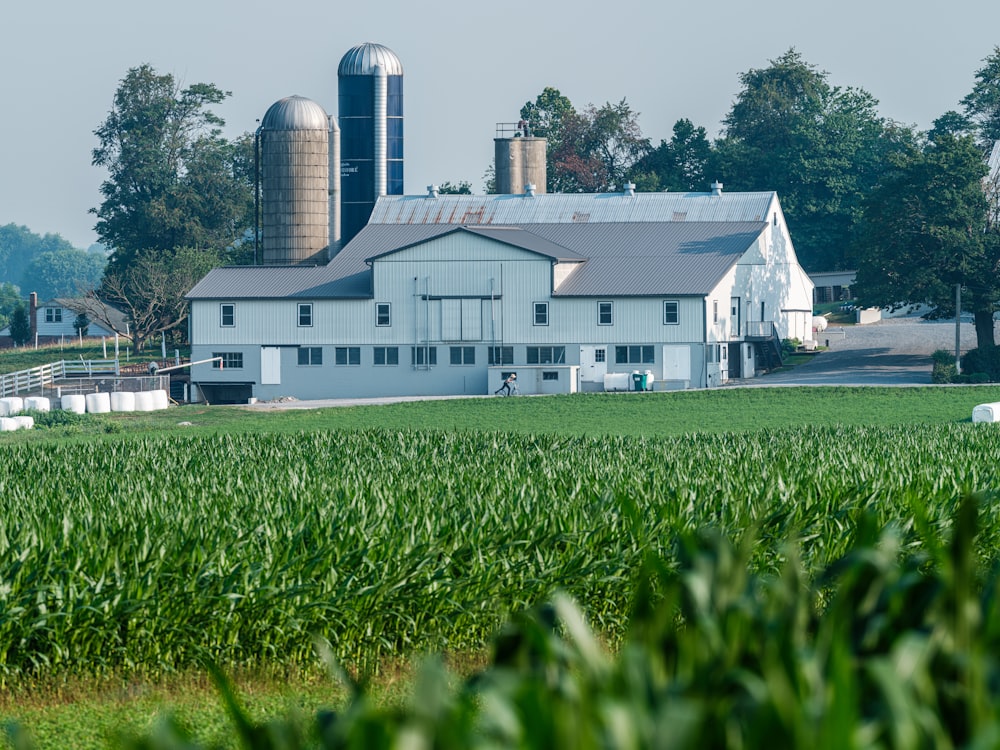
<point>958,328</point>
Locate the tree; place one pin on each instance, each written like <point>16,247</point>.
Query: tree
<point>680,164</point>
<point>63,273</point>
<point>586,151</point>
<point>20,326</point>
<point>81,324</point>
<point>982,104</point>
<point>10,298</point>
<point>150,292</point>
<point>173,180</point>
<point>19,246</point>
<point>462,188</point>
<point>925,230</point>
<point>820,147</point>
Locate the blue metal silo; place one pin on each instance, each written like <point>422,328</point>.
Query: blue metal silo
<point>370,93</point>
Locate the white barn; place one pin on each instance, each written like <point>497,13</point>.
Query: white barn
<point>447,294</point>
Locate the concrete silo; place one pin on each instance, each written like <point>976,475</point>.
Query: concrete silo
<point>370,94</point>
<point>296,220</point>
<point>519,159</point>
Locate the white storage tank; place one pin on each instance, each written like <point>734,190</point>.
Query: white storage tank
<point>123,401</point>
<point>37,403</point>
<point>986,413</point>
<point>617,381</point>
<point>74,402</point>
<point>98,403</point>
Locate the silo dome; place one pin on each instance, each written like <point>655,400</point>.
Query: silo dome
<point>362,59</point>
<point>294,140</point>
<point>295,113</point>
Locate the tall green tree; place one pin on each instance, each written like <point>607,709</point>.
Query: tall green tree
<point>925,231</point>
<point>10,298</point>
<point>589,150</point>
<point>982,104</point>
<point>20,325</point>
<point>820,147</point>
<point>63,273</point>
<point>678,165</point>
<point>19,246</point>
<point>173,180</point>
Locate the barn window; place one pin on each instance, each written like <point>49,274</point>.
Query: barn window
<point>541,316</point>
<point>604,316</point>
<point>386,355</point>
<point>382,314</point>
<point>347,355</point>
<point>634,355</point>
<point>463,355</point>
<point>671,312</point>
<point>546,355</point>
<point>305,314</point>
<point>310,355</point>
<point>227,315</point>
<point>230,360</point>
<point>501,355</point>
<point>424,356</point>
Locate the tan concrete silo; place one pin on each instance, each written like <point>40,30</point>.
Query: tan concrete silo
<point>519,159</point>
<point>294,182</point>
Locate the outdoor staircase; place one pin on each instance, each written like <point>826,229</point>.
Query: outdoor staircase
<point>764,337</point>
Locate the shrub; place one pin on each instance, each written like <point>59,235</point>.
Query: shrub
<point>943,370</point>
<point>985,360</point>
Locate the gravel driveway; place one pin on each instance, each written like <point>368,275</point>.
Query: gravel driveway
<point>895,351</point>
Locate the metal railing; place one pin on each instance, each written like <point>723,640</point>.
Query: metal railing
<point>761,329</point>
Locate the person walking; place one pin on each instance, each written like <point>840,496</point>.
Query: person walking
<point>508,384</point>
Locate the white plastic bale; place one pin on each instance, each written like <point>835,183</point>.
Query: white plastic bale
<point>11,405</point>
<point>123,401</point>
<point>98,403</point>
<point>74,402</point>
<point>160,400</point>
<point>7,424</point>
<point>37,403</point>
<point>24,422</point>
<point>144,401</point>
<point>986,413</point>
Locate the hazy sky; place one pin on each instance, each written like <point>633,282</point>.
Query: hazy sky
<point>467,65</point>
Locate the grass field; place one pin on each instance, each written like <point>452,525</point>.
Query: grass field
<point>134,546</point>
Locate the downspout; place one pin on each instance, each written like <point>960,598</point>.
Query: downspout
<point>704,339</point>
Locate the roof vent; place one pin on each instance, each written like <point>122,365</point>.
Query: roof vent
<point>629,189</point>
<point>432,191</point>
<point>529,190</point>
<point>716,188</point>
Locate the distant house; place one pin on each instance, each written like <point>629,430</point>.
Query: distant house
<point>447,294</point>
<point>52,321</point>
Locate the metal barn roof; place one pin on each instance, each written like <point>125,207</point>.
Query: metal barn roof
<point>631,259</point>
<point>570,208</point>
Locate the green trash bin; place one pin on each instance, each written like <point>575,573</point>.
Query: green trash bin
<point>639,381</point>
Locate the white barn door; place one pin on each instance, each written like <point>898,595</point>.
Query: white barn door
<point>270,365</point>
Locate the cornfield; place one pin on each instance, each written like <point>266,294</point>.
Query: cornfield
<point>158,554</point>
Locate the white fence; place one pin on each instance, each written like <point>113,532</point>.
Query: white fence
<point>39,378</point>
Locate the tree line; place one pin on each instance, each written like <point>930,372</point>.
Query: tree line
<point>915,213</point>
<point>905,208</point>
